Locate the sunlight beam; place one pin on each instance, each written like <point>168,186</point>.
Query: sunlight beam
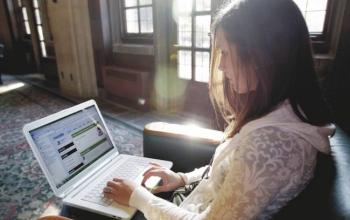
<point>10,87</point>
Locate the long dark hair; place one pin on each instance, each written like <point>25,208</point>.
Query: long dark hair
<point>271,36</point>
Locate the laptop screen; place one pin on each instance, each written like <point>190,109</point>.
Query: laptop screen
<point>71,144</point>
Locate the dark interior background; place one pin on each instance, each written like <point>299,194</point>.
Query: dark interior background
<point>20,58</point>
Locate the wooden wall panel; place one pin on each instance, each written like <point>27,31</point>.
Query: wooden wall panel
<point>73,45</point>
<point>132,61</point>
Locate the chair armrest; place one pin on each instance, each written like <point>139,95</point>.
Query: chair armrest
<point>187,147</point>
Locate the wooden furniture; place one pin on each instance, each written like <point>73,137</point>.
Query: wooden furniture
<point>54,217</point>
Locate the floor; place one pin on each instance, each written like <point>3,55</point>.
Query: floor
<point>111,110</point>
<point>132,117</point>
<point>24,191</point>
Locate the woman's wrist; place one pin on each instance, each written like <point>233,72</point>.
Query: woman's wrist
<point>182,178</point>
<point>139,198</point>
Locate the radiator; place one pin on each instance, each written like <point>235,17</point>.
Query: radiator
<point>125,83</point>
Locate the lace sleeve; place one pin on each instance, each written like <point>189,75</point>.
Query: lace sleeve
<point>268,165</point>
<point>193,176</point>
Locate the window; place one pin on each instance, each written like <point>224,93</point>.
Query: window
<point>314,12</point>
<point>322,18</point>
<point>193,41</point>
<point>42,28</point>
<point>137,21</point>
<point>22,16</point>
<point>39,27</point>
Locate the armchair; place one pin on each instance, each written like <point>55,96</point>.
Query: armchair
<point>187,147</point>
<point>326,197</point>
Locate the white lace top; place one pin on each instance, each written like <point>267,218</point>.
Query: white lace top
<point>253,174</point>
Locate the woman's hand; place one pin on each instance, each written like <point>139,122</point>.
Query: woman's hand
<point>170,180</point>
<point>119,190</point>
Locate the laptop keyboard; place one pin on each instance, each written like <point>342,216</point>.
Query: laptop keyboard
<point>129,170</point>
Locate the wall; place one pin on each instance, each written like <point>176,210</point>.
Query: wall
<point>19,56</point>
<point>5,31</point>
<point>100,34</point>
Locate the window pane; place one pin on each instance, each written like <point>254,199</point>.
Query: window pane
<point>202,66</point>
<point>302,5</point>
<point>35,4</point>
<point>37,16</point>
<point>132,25</point>
<point>19,2</point>
<point>317,5</point>
<point>24,12</point>
<point>40,33</point>
<point>130,3</point>
<point>203,5</point>
<point>185,31</point>
<point>146,20</point>
<point>43,49</point>
<point>145,2</point>
<point>184,65</point>
<point>314,12</point>
<point>315,21</point>
<point>184,6</point>
<point>202,31</point>
<point>26,25</point>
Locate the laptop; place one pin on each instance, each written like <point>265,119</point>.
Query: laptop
<point>77,155</point>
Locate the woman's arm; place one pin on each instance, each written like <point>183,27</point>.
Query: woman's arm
<point>263,167</point>
<point>269,168</point>
<point>193,176</point>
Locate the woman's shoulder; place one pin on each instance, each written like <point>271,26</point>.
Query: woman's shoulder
<point>273,142</point>
<point>273,153</point>
<point>272,135</point>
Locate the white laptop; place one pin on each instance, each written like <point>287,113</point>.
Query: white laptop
<point>77,155</point>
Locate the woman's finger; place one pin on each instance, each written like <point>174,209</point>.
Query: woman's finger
<point>154,170</point>
<point>116,179</point>
<point>109,193</point>
<point>113,184</point>
<point>113,196</point>
<point>109,190</point>
<point>155,164</point>
<point>158,173</point>
<point>159,189</point>
<point>150,169</point>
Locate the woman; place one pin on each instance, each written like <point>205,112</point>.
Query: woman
<point>264,84</point>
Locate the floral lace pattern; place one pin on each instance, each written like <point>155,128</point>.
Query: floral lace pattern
<point>253,179</point>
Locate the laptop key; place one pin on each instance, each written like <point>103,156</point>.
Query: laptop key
<point>95,195</point>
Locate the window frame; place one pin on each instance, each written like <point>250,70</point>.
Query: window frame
<point>134,38</point>
<point>46,29</point>
<point>193,48</point>
<point>321,42</point>
<point>21,21</point>
<point>36,25</point>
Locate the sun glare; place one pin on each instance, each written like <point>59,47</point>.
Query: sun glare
<point>183,7</point>
<point>195,131</point>
<point>10,87</point>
